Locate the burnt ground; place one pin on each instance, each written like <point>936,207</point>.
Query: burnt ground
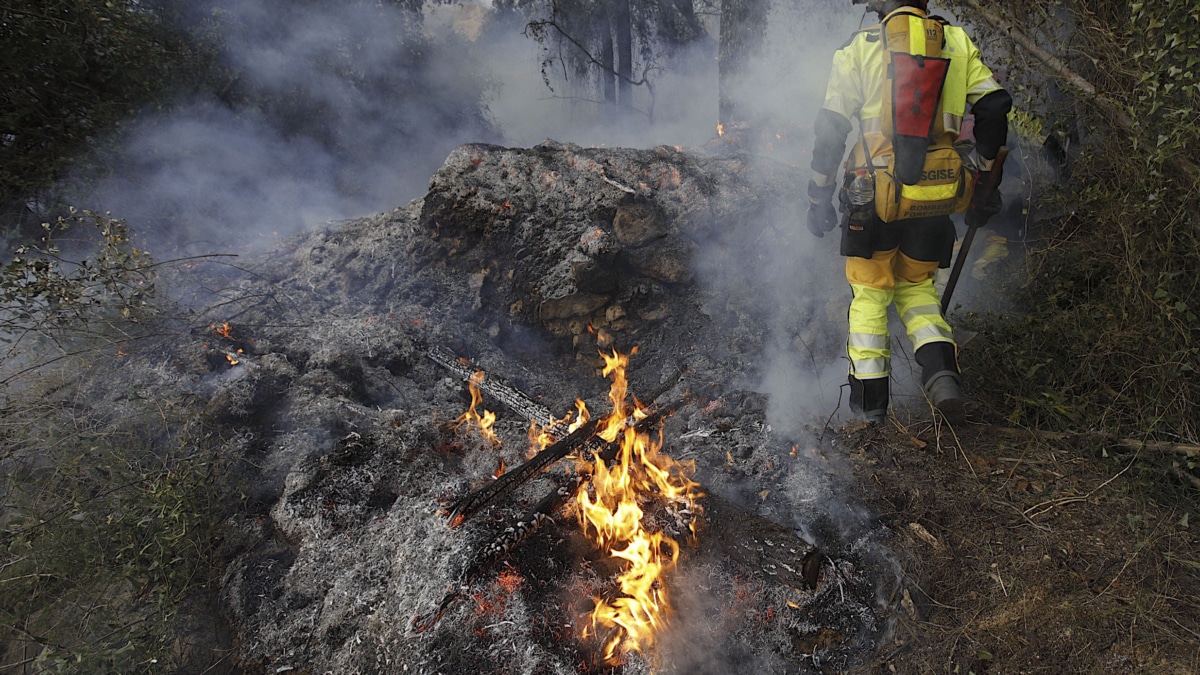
<point>939,549</point>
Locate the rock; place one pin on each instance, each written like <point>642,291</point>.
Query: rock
<point>669,263</point>
<point>575,305</point>
<point>592,277</point>
<point>638,224</point>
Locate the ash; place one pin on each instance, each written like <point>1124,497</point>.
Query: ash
<point>528,262</point>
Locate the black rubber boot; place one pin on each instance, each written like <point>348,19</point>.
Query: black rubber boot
<point>939,373</point>
<point>869,398</point>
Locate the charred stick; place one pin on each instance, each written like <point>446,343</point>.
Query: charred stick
<point>500,546</point>
<point>507,483</point>
<point>516,400</point>
<point>583,439</point>
<point>760,544</point>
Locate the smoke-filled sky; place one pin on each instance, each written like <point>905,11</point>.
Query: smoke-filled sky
<point>376,110</point>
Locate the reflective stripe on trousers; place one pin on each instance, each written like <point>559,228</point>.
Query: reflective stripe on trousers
<point>890,276</point>
<point>867,344</point>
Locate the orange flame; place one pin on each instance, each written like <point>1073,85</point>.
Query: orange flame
<point>224,330</point>
<point>484,422</point>
<point>610,512</point>
<point>542,437</point>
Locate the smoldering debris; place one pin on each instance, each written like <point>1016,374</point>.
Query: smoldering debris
<point>526,263</point>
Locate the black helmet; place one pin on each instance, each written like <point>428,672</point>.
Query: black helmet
<point>881,6</point>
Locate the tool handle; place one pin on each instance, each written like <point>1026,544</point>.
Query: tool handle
<point>988,188</point>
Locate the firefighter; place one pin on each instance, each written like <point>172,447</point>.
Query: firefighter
<point>896,261</point>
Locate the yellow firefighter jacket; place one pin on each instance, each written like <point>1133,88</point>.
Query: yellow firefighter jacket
<point>855,91</point>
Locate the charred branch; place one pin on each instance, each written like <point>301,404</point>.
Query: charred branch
<point>507,483</point>
<point>755,543</point>
<point>623,73</point>
<point>582,439</point>
<point>500,546</point>
<point>515,399</point>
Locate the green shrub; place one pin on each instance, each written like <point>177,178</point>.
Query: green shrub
<point>109,500</point>
<point>102,534</point>
<point>1106,336</point>
<point>45,297</point>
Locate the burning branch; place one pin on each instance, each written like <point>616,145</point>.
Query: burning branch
<point>611,513</point>
<point>484,421</point>
<point>607,444</point>
<point>514,399</point>
<point>583,439</point>
<point>583,436</point>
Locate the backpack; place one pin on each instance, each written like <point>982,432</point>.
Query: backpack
<point>925,175</point>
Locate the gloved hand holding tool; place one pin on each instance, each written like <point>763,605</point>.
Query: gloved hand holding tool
<point>985,203</point>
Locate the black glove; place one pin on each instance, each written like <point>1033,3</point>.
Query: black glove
<point>983,207</point>
<point>822,217</point>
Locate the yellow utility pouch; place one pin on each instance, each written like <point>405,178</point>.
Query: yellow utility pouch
<point>925,174</point>
<point>943,188</point>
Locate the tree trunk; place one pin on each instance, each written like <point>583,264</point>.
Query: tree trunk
<point>743,25</point>
<point>624,36</point>
<point>607,70</point>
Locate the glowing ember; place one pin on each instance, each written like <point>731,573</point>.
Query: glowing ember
<point>484,422</point>
<point>610,512</point>
<point>224,330</point>
<point>510,580</point>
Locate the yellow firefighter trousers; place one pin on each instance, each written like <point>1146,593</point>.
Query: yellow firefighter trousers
<point>887,277</point>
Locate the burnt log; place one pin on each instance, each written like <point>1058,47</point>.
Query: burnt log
<point>507,483</point>
<point>513,398</point>
<point>760,545</point>
<point>500,546</point>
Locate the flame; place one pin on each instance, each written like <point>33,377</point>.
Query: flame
<point>224,330</point>
<point>720,129</point>
<point>484,422</point>
<point>610,512</point>
<point>541,437</point>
